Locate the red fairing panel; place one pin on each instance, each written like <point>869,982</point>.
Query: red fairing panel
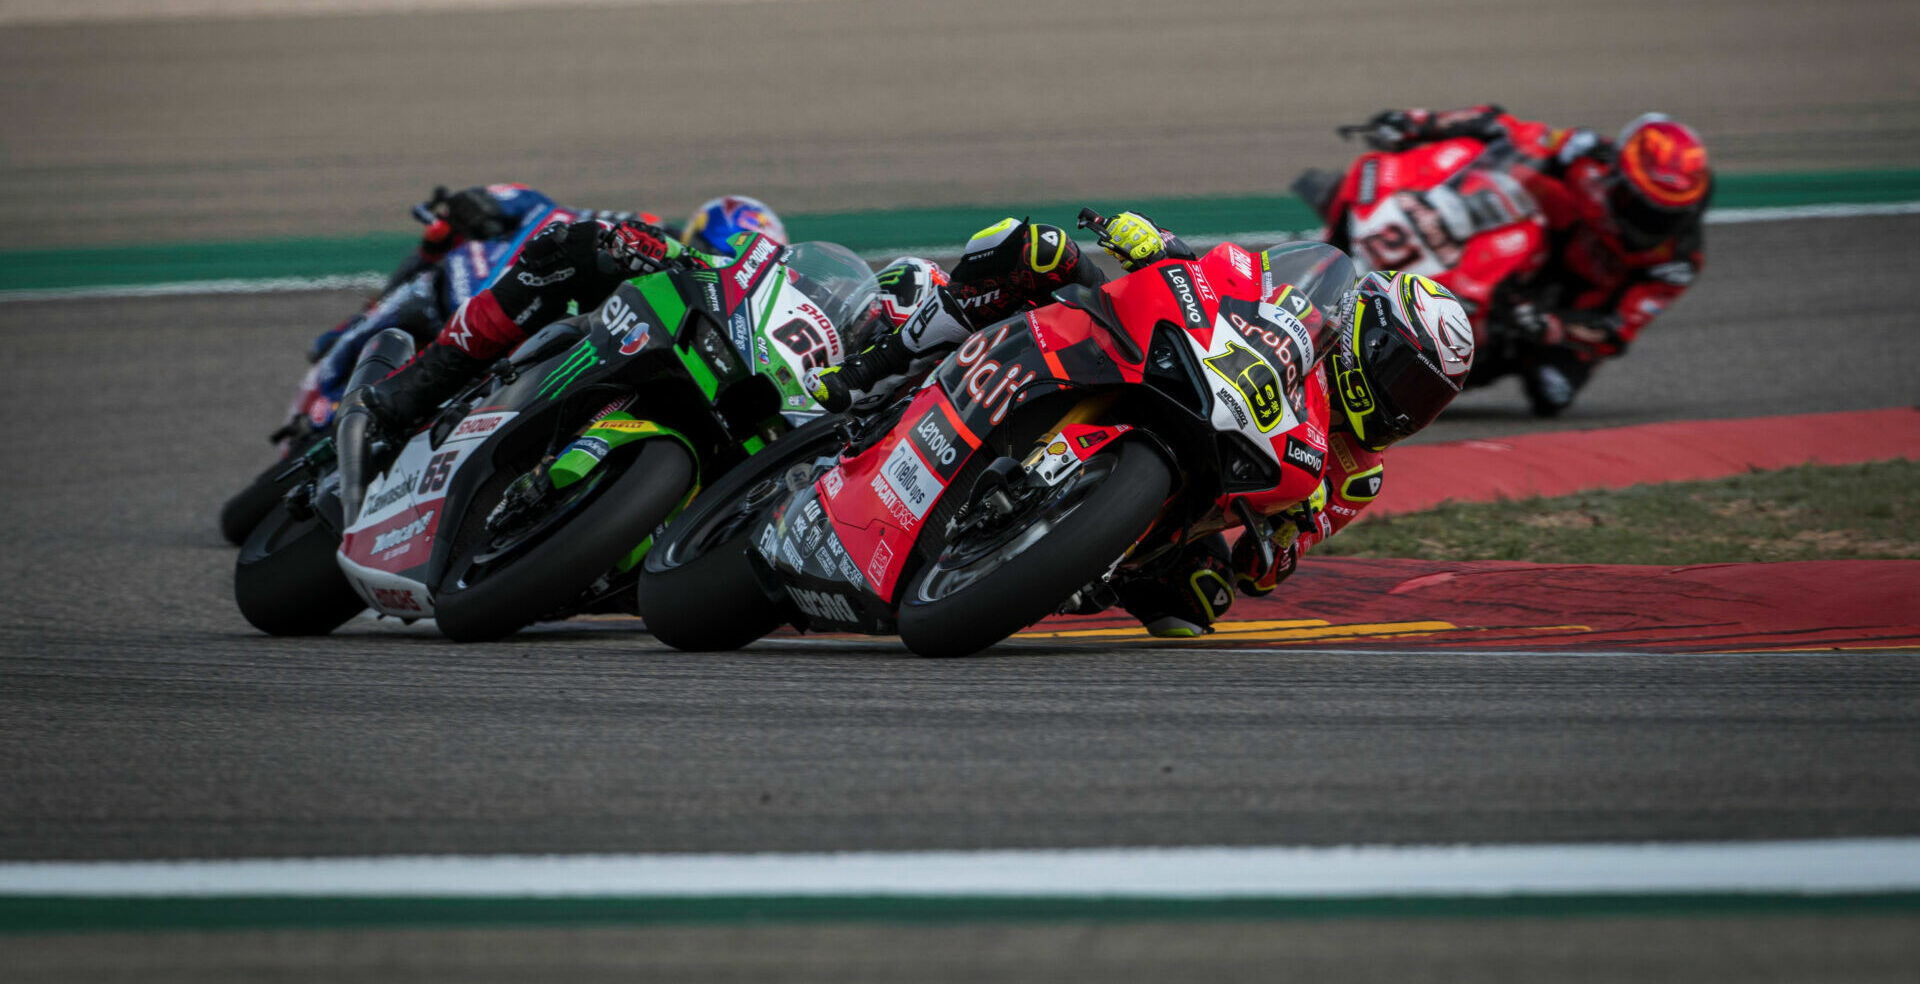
<point>878,500</point>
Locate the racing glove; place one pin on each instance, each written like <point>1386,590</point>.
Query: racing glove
<point>1134,240</point>
<point>471,213</point>
<point>1588,336</point>
<point>1396,129</point>
<point>580,261</point>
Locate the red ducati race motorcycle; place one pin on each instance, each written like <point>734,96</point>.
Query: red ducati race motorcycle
<point>1047,459</point>
<point>1453,211</point>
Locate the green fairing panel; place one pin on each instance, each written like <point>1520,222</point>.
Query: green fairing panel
<point>616,430</point>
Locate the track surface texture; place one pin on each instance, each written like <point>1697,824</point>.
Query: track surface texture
<point>144,719</point>
<point>195,129</point>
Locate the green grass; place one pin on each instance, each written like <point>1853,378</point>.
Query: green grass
<point>1805,513</point>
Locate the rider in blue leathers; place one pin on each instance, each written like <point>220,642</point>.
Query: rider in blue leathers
<point>471,236</point>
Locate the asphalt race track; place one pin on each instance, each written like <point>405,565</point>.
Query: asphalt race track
<point>145,719</point>
<point>142,718</point>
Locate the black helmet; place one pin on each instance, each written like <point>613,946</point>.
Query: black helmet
<point>1403,358</point>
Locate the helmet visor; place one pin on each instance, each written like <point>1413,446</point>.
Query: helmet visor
<point>1641,224</point>
<point>1399,390</point>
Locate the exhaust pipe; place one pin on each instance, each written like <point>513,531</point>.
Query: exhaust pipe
<point>352,434</point>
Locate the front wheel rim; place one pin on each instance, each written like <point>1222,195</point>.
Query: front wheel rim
<point>960,566</point>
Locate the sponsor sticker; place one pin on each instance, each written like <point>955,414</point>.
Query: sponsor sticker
<point>880,562</point>
<point>1241,260</point>
<point>1304,455</point>
<point>592,446</point>
<point>395,599</point>
<point>395,491</point>
<point>851,574</point>
<point>1180,281</point>
<point>749,269</point>
<point>939,444</point>
<point>905,486</point>
<point>823,605</point>
<point>477,426</point>
<point>628,426</point>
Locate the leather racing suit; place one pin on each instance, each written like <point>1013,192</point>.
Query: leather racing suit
<point>1602,285</point>
<point>470,237</point>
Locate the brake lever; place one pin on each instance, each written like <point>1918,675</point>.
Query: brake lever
<point>1261,531</point>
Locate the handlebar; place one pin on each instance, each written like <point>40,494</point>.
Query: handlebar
<point>1352,130</point>
<point>1090,219</point>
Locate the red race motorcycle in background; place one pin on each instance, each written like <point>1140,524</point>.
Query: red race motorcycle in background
<point>1454,211</point>
<point>1047,459</point>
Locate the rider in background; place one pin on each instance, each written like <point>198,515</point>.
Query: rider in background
<point>1625,220</point>
<point>474,233</point>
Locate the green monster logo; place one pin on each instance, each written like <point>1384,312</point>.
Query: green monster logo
<point>1255,380</point>
<point>579,360</point>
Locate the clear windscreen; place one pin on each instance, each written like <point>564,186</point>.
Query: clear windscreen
<point>834,278</point>
<point>1323,274</point>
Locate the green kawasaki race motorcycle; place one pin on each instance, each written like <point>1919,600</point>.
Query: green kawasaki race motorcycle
<point>535,494</point>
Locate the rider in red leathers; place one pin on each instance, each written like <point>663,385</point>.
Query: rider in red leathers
<point>1406,352</point>
<point>1624,216</point>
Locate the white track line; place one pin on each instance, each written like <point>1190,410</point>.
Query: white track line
<point>371,280</point>
<point>270,285</point>
<point>1824,867</point>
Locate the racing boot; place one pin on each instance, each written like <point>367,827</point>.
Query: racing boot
<point>862,375</point>
<point>404,400</point>
<point>1552,378</point>
<point>1185,602</point>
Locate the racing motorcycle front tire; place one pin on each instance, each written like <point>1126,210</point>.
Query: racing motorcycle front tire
<point>558,570</point>
<point>706,597</point>
<point>286,580</point>
<point>244,511</point>
<point>1029,585</point>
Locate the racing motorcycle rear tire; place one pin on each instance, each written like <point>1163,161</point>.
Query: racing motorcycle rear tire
<point>286,580</point>
<point>559,569</point>
<point>1031,584</point>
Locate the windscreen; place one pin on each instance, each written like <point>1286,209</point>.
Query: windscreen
<point>1321,273</point>
<point>833,277</point>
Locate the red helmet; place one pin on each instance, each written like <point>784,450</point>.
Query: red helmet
<point>1664,180</point>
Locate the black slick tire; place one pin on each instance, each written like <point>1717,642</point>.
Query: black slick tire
<point>286,580</point>
<point>558,569</point>
<point>707,597</point>
<point>1028,586</point>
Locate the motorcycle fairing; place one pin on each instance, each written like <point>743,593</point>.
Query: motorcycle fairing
<point>387,551</point>
<point>1449,210</point>
<point>819,574</point>
<point>879,498</point>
